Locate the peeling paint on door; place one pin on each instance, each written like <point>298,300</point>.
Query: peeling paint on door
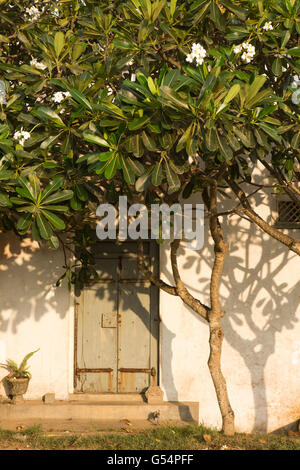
<point>116,346</point>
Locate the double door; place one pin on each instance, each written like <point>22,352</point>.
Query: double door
<point>117,323</point>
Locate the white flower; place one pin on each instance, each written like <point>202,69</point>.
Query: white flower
<point>38,65</point>
<point>199,60</point>
<point>60,96</point>
<point>268,26</point>
<point>34,13</point>
<point>249,51</point>
<point>296,81</point>
<point>198,53</point>
<point>21,136</point>
<point>237,49</point>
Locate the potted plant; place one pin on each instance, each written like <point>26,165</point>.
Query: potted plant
<point>18,378</point>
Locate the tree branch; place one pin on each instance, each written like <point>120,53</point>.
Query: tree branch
<point>182,291</point>
<point>291,243</point>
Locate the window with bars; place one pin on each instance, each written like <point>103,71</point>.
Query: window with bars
<point>288,215</point>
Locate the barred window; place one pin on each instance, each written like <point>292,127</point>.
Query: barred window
<point>288,215</point>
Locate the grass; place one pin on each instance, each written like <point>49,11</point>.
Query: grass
<point>190,437</point>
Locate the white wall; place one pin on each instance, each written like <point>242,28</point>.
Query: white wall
<point>35,314</point>
<point>261,352</point>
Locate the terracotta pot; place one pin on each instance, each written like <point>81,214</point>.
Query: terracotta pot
<point>16,387</point>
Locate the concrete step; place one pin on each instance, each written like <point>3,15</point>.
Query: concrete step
<point>106,397</point>
<point>95,411</point>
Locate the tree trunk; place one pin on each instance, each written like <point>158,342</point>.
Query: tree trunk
<point>214,364</point>
<point>214,317</point>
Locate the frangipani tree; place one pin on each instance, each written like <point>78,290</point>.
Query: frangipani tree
<point>155,100</point>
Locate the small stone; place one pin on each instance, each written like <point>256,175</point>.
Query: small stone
<point>48,398</point>
<point>154,395</point>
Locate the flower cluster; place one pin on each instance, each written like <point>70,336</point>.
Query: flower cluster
<point>198,53</point>
<point>21,136</point>
<point>247,49</point>
<point>268,26</point>
<point>60,96</point>
<point>296,85</point>
<point>296,82</point>
<point>34,13</point>
<point>38,65</point>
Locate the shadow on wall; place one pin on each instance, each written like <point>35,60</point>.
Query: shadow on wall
<point>253,297</point>
<point>27,276</point>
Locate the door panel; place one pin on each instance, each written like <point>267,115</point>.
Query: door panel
<point>97,344</point>
<point>117,325</point>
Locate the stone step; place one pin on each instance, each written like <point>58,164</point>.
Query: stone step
<point>96,411</point>
<point>106,397</point>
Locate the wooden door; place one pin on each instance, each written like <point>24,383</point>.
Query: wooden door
<point>116,324</point>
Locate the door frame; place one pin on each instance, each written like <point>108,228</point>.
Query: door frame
<point>155,380</point>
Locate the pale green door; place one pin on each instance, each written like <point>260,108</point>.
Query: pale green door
<point>116,324</point>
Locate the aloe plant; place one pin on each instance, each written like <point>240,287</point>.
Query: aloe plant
<point>21,371</point>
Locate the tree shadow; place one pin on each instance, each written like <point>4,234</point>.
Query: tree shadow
<point>258,304</point>
<point>28,274</point>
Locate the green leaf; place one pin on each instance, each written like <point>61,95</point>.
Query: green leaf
<point>234,90</point>
<point>172,7</point>
<point>59,197</point>
<point>53,186</point>
<point>53,242</point>
<point>211,139</point>
<point>156,177</point>
<point>271,131</point>
<point>45,113</point>
<point>295,142</point>
<point>295,51</point>
<point>35,184</point>
<point>136,166</point>
<point>138,123</point>
<point>81,192</point>
<point>59,42</point>
<point>224,148</point>
<point>95,139</point>
<point>149,142</point>
<point>57,208</point>
<point>81,98</point>
<point>277,67</point>
<point>244,137</point>
<point>111,168</point>
<point>4,200</point>
<point>172,98</point>
<point>30,191</point>
<point>240,12</point>
<point>44,227</point>
<point>128,171</point>
<point>255,87</point>
<point>172,178</point>
<point>143,181</point>
<point>136,146</point>
<point>54,220</point>
<point>183,139</point>
<point>24,223</point>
